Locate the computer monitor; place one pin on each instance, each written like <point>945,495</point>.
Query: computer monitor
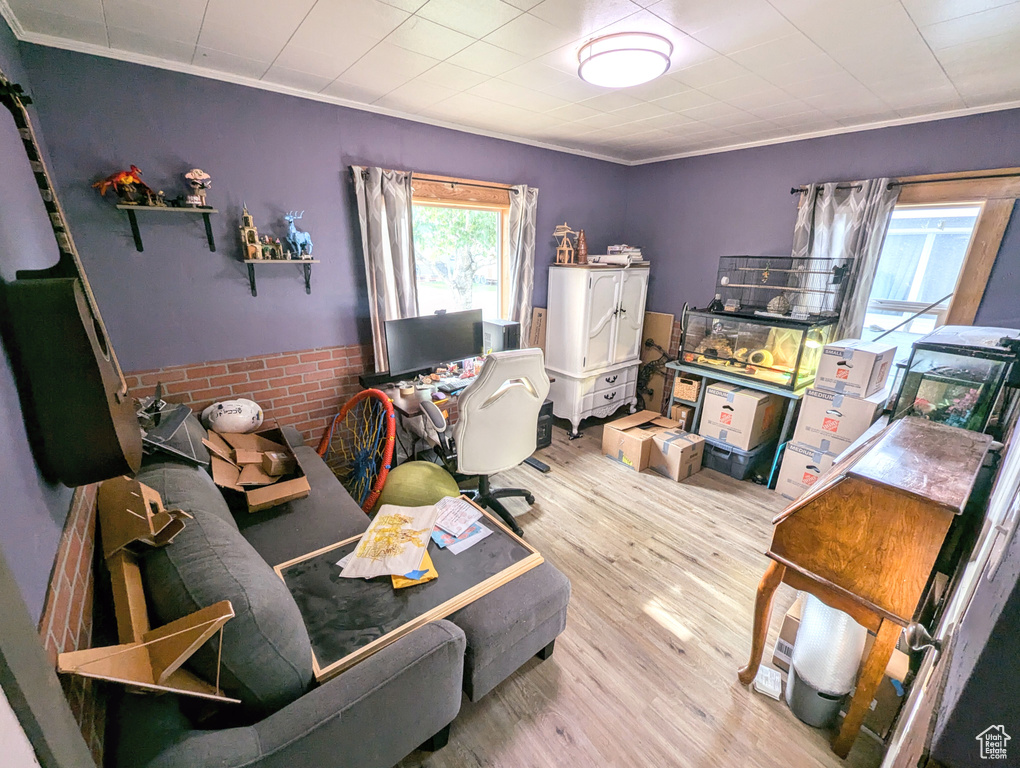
<point>416,343</point>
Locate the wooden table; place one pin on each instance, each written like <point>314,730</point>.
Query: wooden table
<point>864,540</point>
<point>350,619</point>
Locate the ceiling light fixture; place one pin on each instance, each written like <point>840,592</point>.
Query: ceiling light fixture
<point>624,59</point>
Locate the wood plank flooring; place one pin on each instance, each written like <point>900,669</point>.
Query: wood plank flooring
<point>645,675</point>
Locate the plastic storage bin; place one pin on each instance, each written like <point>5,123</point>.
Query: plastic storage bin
<point>723,457</point>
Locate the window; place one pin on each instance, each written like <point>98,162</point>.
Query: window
<point>921,260</point>
<point>943,238</point>
<point>460,236</point>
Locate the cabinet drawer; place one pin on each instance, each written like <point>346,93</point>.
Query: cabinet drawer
<point>614,379</point>
<point>606,397</point>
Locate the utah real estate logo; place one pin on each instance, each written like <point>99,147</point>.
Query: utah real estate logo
<point>993,742</point>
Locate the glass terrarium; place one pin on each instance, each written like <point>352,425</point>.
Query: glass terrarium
<point>781,352</point>
<point>954,376</point>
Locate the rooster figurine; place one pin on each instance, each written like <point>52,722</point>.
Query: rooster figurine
<point>125,183</point>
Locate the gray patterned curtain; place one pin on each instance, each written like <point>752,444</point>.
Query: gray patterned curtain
<point>523,207</point>
<point>384,212</point>
<point>846,221</point>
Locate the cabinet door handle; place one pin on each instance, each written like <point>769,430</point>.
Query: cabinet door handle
<point>610,396</point>
<point>622,310</point>
<point>611,379</point>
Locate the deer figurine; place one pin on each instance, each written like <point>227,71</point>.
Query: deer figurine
<point>301,242</point>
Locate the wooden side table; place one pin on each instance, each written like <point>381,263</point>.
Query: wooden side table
<point>864,540</point>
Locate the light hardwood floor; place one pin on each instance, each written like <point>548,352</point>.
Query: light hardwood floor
<point>645,675</point>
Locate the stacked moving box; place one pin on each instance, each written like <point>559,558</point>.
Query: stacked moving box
<point>847,398</point>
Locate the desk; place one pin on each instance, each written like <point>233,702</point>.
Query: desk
<point>792,397</point>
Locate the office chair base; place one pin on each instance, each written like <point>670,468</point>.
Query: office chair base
<point>487,496</point>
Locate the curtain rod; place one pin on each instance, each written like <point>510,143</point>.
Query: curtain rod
<point>974,177</point>
<point>425,177</point>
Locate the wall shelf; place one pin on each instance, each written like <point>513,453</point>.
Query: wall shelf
<point>131,209</point>
<point>305,263</point>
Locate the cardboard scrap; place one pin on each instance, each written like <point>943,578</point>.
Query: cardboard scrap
<point>261,465</point>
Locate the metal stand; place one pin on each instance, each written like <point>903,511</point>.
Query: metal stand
<point>489,497</point>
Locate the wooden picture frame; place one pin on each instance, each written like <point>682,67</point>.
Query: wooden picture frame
<point>326,669</point>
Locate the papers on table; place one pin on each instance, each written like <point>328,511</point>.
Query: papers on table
<point>394,543</point>
<point>456,515</point>
<point>342,562</point>
<point>457,544</point>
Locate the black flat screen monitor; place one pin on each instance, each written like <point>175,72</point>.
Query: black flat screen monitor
<point>425,342</point>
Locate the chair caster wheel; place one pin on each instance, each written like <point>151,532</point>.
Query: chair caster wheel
<point>530,499</point>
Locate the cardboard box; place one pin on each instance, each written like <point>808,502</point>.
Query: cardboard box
<point>830,421</point>
<point>684,416</point>
<point>802,466</point>
<point>738,416</point>
<point>629,440</point>
<point>782,654</point>
<point>536,334</point>
<point>855,367</point>
<point>889,695</point>
<point>676,454</point>
<point>261,490</point>
<point>276,463</point>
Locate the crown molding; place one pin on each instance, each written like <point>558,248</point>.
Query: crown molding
<point>12,21</point>
<point>51,41</point>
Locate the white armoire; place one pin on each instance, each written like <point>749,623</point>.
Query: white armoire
<point>594,320</point>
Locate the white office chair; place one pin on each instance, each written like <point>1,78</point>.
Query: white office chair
<point>498,423</point>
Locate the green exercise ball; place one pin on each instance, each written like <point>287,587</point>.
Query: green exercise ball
<point>416,484</point>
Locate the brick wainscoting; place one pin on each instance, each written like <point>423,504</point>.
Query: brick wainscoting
<point>67,619</point>
<point>301,389</point>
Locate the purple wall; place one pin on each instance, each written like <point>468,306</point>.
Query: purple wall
<point>179,303</point>
<point>687,213</point>
<point>33,512</point>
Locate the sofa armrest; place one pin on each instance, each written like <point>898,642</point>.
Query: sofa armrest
<point>371,716</point>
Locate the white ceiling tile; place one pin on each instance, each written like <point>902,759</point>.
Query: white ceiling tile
<point>59,25</point>
<point>229,62</point>
<point>424,36</point>
<point>774,53</point>
<point>753,23</point>
<point>332,25</point>
<point>487,59</point>
<point>642,111</point>
<point>742,85</point>
<point>161,48</point>
<point>352,92</point>
<point>801,71</point>
<point>669,121</point>
<point>574,89</point>
<point>682,100</point>
<point>764,97</point>
<point>524,5</point>
<point>415,95</point>
<point>386,67</point>
<point>180,21</point>
<point>472,17</point>
<point>451,76</point>
<point>406,5</point>
<point>330,64</point>
<point>584,18</point>
<point>610,101</point>
<point>925,12</point>
<point>573,112</point>
<point>529,36</point>
<point>505,92</point>
<point>661,87</point>
<point>709,72</point>
<point>87,10</point>
<point>601,120</point>
<point>973,28</point>
<point>255,30</point>
<point>536,75</point>
<point>779,109</point>
<point>293,78</point>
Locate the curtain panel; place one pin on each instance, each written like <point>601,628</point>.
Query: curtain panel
<point>387,245</point>
<point>523,209</point>
<point>847,221</point>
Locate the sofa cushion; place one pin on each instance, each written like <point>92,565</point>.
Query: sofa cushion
<point>266,655</point>
<point>186,487</point>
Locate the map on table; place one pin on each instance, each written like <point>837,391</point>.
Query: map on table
<point>394,543</point>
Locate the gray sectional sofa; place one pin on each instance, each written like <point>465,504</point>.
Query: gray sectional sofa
<point>370,716</point>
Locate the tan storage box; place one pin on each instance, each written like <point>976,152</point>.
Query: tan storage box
<point>261,490</point>
<point>629,440</point>
<point>684,416</point>
<point>802,466</point>
<point>829,421</point>
<point>676,454</point>
<point>687,387</point>
<point>738,416</point>
<point>855,367</point>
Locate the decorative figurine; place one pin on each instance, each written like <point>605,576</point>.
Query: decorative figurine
<point>582,248</point>
<point>199,181</point>
<point>301,242</point>
<point>565,250</point>
<point>249,235</point>
<point>127,185</point>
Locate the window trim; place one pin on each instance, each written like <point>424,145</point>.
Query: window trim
<point>995,195</point>
<point>451,192</point>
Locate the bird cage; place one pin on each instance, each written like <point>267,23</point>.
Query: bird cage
<point>783,286</point>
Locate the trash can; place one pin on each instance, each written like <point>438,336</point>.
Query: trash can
<point>823,669</point>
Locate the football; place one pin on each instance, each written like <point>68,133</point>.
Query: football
<point>233,416</point>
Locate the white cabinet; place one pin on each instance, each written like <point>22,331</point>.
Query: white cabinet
<point>593,338</point>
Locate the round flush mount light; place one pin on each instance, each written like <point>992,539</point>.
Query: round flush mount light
<point>624,59</point>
